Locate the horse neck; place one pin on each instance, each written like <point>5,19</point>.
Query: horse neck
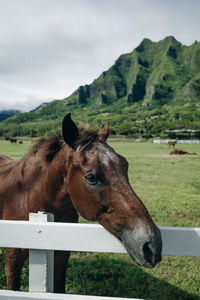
<point>55,193</point>
<point>56,173</point>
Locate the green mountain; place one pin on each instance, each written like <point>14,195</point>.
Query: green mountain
<point>5,114</point>
<point>154,88</point>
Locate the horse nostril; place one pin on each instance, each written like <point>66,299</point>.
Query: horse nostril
<point>148,254</point>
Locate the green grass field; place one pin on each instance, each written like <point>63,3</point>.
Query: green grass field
<point>170,188</point>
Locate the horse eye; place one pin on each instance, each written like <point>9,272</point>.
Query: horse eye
<point>91,179</point>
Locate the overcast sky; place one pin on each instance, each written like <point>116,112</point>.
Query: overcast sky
<point>48,48</point>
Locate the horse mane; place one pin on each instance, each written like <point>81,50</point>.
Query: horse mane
<point>46,148</point>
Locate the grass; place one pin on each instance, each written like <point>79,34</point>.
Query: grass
<point>15,151</point>
<point>170,188</point>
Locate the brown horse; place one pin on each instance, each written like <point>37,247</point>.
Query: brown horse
<point>172,144</point>
<point>76,172</point>
<point>13,140</point>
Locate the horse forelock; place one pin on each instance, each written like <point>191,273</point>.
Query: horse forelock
<point>86,139</point>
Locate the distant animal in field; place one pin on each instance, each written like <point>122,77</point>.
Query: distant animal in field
<point>172,144</point>
<point>13,140</point>
<point>180,152</point>
<point>20,142</point>
<point>70,173</point>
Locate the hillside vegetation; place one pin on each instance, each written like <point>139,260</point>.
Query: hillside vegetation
<point>154,88</point>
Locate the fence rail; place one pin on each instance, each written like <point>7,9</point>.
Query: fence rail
<point>42,237</point>
<point>180,241</point>
<point>178,141</point>
<point>11,295</point>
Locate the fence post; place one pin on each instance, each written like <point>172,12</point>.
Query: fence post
<point>41,262</point>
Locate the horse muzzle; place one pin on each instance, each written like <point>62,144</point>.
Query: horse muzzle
<point>143,246</point>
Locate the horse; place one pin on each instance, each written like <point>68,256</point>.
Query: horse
<point>181,152</point>
<point>13,140</point>
<point>172,144</point>
<point>70,173</point>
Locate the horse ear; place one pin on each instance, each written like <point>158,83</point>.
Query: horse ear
<point>104,132</point>
<point>69,130</point>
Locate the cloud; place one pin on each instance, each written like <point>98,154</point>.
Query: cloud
<point>48,48</point>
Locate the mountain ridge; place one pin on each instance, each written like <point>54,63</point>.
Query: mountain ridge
<point>6,113</point>
<point>153,88</point>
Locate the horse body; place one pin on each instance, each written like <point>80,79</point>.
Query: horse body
<point>32,186</point>
<point>76,172</point>
<point>172,144</point>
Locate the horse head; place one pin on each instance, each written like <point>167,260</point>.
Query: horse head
<point>99,189</point>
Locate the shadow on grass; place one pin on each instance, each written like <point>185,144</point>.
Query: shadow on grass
<point>112,276</point>
<point>99,275</point>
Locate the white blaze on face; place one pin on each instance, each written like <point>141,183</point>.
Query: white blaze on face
<point>106,155</point>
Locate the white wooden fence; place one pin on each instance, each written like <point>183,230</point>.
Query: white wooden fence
<point>42,238</point>
<point>178,141</point>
